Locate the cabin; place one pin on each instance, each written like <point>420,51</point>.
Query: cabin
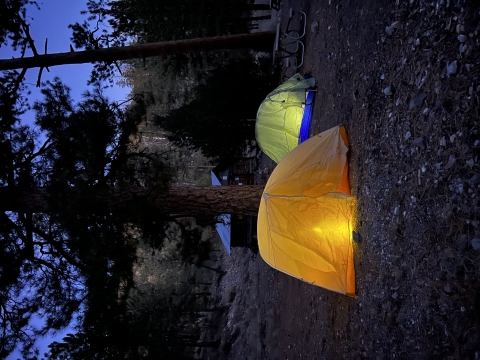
<point>238,171</point>
<point>239,230</point>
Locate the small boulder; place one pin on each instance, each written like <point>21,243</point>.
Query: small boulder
<point>476,244</point>
<point>420,142</point>
<point>417,101</point>
<point>388,91</point>
<point>356,237</point>
<point>452,68</point>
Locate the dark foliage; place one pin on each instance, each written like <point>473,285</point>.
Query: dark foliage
<point>150,21</point>
<point>73,264</point>
<point>147,21</point>
<point>16,240</point>
<point>221,118</point>
<point>13,24</point>
<point>58,264</point>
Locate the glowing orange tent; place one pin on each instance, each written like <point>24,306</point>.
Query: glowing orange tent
<point>307,214</point>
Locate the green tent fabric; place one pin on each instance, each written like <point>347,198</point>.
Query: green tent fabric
<point>279,118</point>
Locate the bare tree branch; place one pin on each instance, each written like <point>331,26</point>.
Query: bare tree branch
<point>28,37</point>
<point>58,247</point>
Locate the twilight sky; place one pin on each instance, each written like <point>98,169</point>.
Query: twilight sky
<point>51,22</point>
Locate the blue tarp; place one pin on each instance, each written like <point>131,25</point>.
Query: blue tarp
<point>307,117</point>
<point>223,228</point>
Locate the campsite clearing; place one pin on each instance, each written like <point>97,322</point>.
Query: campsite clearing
<point>403,76</point>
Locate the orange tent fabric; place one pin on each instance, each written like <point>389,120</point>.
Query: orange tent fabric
<point>307,214</point>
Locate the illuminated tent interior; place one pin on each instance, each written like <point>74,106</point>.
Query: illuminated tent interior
<point>283,118</point>
<point>307,214</point>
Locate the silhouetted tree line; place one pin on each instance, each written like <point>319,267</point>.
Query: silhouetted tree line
<point>69,255</point>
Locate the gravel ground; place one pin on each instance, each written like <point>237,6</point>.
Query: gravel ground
<point>404,78</point>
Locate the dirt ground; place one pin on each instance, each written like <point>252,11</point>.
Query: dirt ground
<point>403,77</point>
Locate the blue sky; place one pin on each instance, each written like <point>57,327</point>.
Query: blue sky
<point>51,22</point>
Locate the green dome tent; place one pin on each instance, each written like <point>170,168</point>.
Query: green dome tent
<point>283,119</point>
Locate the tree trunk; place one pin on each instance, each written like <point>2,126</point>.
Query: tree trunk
<point>177,201</point>
<point>258,40</point>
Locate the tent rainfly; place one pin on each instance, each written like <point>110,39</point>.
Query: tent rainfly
<point>283,119</point>
<point>307,214</point>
